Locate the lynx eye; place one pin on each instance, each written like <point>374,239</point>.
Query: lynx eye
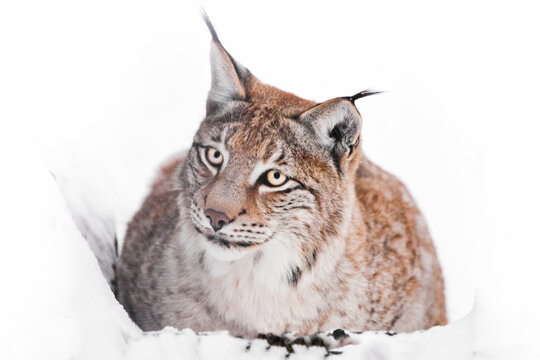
<point>213,156</point>
<point>274,178</point>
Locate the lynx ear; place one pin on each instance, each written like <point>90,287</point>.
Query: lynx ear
<point>228,76</point>
<point>336,125</point>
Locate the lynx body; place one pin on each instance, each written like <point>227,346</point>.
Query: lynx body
<point>275,221</point>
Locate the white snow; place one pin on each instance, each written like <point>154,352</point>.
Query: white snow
<point>101,92</point>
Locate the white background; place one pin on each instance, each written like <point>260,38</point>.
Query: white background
<point>109,89</point>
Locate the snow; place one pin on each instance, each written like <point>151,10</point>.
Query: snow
<point>101,93</point>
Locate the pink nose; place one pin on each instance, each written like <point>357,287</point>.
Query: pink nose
<point>217,218</point>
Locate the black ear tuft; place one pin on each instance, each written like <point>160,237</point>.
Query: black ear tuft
<point>210,26</point>
<point>229,78</point>
<point>361,94</point>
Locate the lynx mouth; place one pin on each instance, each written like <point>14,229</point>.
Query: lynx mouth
<point>223,243</point>
<point>216,239</point>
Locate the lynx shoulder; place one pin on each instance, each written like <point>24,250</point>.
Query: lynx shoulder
<point>275,221</point>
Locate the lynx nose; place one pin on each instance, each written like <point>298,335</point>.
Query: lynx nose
<point>217,218</point>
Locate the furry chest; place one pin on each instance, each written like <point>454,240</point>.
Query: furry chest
<point>262,308</point>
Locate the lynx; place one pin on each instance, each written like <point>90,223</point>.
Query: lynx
<point>275,221</point>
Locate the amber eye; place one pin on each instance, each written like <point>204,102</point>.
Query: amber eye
<point>274,178</point>
<point>214,157</point>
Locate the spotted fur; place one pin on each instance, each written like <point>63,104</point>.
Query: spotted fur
<point>340,245</point>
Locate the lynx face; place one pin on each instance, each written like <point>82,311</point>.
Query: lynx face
<point>253,181</point>
<point>267,166</point>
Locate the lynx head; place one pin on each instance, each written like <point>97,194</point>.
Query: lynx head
<point>267,167</point>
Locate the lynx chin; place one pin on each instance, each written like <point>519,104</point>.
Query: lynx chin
<point>275,221</point>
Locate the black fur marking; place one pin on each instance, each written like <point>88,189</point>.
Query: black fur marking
<point>294,275</point>
<point>333,353</point>
<point>395,319</point>
<point>114,284</point>
<point>218,240</point>
<point>289,190</point>
<point>337,134</point>
<point>360,95</point>
<point>310,261</point>
<point>196,146</point>
<point>197,229</point>
<point>303,207</point>
<point>354,146</point>
<point>115,245</point>
<point>284,205</point>
<point>280,158</point>
<point>228,244</point>
<point>250,231</point>
<point>390,333</point>
<point>243,212</point>
<point>340,334</point>
<point>312,192</point>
